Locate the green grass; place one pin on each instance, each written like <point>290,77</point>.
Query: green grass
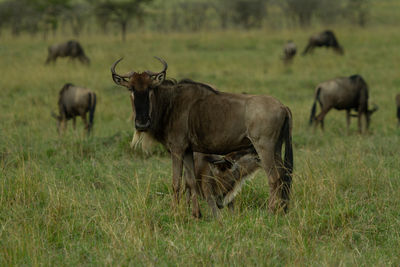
<point>75,201</point>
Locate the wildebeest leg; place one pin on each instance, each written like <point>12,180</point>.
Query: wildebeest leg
<point>209,195</point>
<point>177,166</point>
<point>190,181</point>
<point>360,114</point>
<point>266,151</point>
<point>321,116</point>
<point>348,120</point>
<point>63,126</point>
<point>188,194</point>
<point>74,123</point>
<point>83,116</point>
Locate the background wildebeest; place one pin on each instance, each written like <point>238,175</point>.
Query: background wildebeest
<point>342,93</point>
<point>71,49</point>
<point>193,117</point>
<point>398,107</point>
<point>326,38</point>
<point>75,101</point>
<point>289,51</point>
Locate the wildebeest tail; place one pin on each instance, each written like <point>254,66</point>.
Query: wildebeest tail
<point>398,114</point>
<point>92,107</point>
<point>288,158</point>
<point>314,106</point>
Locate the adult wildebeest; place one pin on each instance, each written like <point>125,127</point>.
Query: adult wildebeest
<point>75,101</point>
<point>289,51</point>
<point>219,178</point>
<point>342,93</point>
<point>325,38</point>
<point>71,49</point>
<point>398,107</point>
<point>193,117</point>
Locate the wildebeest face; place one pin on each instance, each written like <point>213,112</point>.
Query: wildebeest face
<point>141,86</point>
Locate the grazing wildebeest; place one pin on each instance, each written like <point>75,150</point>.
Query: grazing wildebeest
<point>71,49</point>
<point>342,93</point>
<point>220,178</point>
<point>289,51</point>
<point>75,101</point>
<point>193,117</point>
<point>398,107</point>
<point>325,38</point>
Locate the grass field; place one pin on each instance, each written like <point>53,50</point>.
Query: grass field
<point>75,201</point>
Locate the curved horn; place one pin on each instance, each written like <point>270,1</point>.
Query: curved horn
<point>162,62</point>
<point>128,75</point>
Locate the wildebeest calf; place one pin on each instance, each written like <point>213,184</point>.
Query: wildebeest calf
<point>220,178</point>
<point>342,93</point>
<point>398,107</point>
<point>71,49</point>
<point>75,101</point>
<point>326,38</point>
<point>289,51</point>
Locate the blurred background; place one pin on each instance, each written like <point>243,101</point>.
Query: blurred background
<point>77,17</point>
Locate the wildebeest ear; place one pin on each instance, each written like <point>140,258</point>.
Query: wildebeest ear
<point>158,79</point>
<point>120,81</point>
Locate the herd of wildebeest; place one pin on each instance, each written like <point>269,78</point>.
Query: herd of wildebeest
<point>217,138</point>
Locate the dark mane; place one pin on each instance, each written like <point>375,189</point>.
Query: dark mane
<point>170,81</point>
<point>205,86</point>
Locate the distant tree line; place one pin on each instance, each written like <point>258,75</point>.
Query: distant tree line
<point>50,16</point>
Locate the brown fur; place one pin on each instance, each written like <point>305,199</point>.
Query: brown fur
<point>326,38</point>
<point>191,117</point>
<point>75,101</point>
<point>342,93</point>
<point>220,178</point>
<point>71,49</point>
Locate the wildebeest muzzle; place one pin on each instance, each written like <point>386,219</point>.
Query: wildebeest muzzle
<point>142,125</point>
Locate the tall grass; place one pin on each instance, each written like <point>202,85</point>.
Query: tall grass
<point>76,201</point>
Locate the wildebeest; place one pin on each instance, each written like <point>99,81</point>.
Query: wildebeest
<point>398,107</point>
<point>193,117</point>
<point>342,93</point>
<point>326,38</point>
<point>289,51</point>
<point>75,101</point>
<point>71,49</point>
<point>220,178</point>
